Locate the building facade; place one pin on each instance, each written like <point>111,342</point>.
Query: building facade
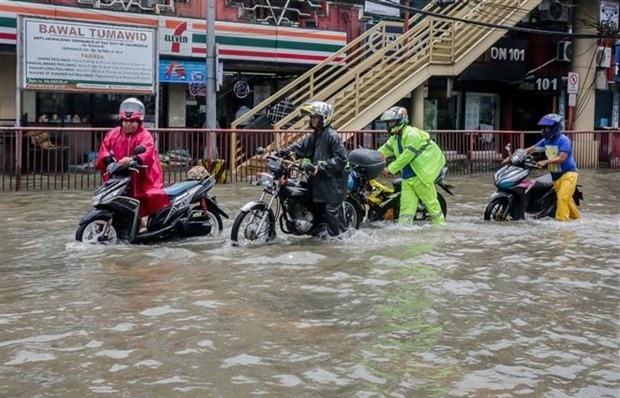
<point>53,58</point>
<point>67,62</point>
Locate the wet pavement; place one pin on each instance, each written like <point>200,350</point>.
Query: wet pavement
<point>472,309</point>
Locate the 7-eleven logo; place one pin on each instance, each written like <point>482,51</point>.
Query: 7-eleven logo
<point>176,38</point>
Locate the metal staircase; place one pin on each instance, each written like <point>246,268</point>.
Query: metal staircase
<point>372,72</point>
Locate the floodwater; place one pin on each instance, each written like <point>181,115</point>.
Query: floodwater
<point>473,309</point>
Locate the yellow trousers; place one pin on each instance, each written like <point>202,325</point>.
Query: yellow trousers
<point>564,189</point>
<point>414,189</point>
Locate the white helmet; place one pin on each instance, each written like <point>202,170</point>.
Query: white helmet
<point>131,109</point>
<point>323,109</point>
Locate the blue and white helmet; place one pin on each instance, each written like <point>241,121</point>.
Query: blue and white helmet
<point>551,125</point>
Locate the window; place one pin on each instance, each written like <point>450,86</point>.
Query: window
<point>481,111</point>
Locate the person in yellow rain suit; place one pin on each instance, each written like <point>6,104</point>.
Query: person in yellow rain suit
<point>419,159</point>
<point>561,164</point>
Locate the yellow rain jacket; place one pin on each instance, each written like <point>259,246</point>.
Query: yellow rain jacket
<point>415,148</point>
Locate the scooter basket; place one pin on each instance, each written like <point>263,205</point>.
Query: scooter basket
<point>368,162</point>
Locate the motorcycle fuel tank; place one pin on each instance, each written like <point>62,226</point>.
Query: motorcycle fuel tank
<point>294,191</point>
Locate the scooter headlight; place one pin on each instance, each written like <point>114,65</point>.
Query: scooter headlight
<point>106,196</point>
<point>96,199</point>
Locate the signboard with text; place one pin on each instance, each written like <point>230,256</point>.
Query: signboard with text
<point>87,57</point>
<point>504,61</point>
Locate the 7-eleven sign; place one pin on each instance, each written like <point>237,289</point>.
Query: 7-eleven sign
<point>174,37</point>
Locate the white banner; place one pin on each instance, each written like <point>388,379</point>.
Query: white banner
<point>71,56</point>
<point>370,7</point>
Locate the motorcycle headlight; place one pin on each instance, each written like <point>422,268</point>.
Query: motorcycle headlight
<point>265,179</point>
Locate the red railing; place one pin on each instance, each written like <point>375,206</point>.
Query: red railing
<point>37,158</point>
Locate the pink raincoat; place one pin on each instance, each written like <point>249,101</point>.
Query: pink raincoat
<point>147,185</point>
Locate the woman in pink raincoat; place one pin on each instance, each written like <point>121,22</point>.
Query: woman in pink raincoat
<point>147,185</point>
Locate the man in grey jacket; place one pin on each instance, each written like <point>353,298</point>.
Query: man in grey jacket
<point>326,160</point>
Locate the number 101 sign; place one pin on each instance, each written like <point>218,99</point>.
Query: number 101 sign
<point>547,84</point>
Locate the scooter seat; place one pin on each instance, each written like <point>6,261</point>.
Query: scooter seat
<point>176,189</point>
<point>544,181</point>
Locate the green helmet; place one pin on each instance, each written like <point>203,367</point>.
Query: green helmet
<point>396,118</point>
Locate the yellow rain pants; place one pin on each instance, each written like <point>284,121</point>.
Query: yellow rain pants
<point>565,188</point>
<point>413,189</point>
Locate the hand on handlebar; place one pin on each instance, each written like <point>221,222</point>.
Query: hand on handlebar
<point>540,164</point>
<point>126,161</point>
<point>110,168</point>
<point>309,168</point>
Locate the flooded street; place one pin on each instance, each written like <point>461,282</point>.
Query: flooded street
<point>473,309</point>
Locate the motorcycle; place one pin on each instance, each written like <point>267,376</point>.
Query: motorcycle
<point>289,205</point>
<point>382,203</point>
<point>517,198</point>
<point>192,212</point>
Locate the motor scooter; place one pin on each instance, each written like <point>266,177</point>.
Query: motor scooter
<point>381,202</point>
<point>192,211</point>
<point>517,198</point>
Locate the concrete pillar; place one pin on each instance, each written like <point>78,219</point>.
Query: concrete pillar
<point>416,114</point>
<point>584,147</point>
<point>176,105</point>
<point>29,105</point>
<point>8,69</point>
<point>176,116</point>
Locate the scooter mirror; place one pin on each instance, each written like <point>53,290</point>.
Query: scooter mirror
<point>508,147</point>
<point>260,150</point>
<point>139,149</point>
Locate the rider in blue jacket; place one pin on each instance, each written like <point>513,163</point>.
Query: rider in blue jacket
<point>561,164</point>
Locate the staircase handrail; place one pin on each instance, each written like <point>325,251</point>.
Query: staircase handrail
<point>393,55</point>
<point>331,61</point>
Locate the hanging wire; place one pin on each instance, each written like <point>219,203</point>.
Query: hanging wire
<point>500,26</point>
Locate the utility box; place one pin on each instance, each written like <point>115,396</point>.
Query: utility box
<point>564,51</point>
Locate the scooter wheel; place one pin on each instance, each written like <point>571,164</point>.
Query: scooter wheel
<point>217,226</point>
<point>92,231</point>
<point>497,210</point>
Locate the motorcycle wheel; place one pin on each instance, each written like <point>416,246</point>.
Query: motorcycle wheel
<point>92,231</point>
<point>353,215</point>
<point>245,228</point>
<point>496,209</point>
